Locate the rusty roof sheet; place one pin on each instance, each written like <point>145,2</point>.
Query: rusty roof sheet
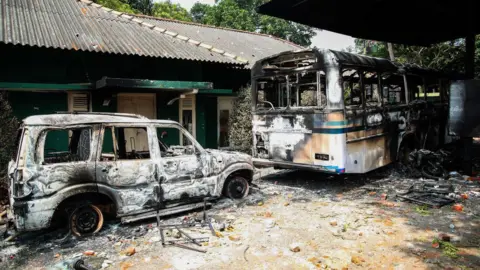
<point>245,45</point>
<point>86,26</point>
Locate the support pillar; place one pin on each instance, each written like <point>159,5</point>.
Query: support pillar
<point>467,142</point>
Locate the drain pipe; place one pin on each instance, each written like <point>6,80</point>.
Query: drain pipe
<point>193,92</point>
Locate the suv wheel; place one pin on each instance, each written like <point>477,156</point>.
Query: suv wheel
<point>86,220</point>
<point>236,187</point>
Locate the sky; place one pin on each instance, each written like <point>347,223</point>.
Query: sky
<point>323,39</point>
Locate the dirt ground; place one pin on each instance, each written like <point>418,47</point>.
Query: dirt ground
<point>291,220</point>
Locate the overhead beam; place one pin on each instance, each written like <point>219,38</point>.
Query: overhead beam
<point>151,84</point>
<point>20,86</point>
<point>470,57</point>
<point>216,91</point>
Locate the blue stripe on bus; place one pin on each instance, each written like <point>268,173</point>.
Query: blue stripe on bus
<point>335,123</point>
<point>331,168</point>
<point>331,123</point>
<point>338,130</point>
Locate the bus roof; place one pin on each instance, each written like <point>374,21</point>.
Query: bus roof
<point>357,60</point>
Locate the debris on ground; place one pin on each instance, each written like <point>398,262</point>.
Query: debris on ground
<point>329,223</point>
<point>294,247</point>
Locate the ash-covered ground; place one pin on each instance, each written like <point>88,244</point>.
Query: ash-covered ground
<point>291,220</point>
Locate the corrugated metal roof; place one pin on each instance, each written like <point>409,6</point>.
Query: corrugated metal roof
<point>76,25</point>
<point>247,45</point>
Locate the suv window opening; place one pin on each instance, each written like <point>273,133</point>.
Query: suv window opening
<point>123,147</point>
<point>77,148</point>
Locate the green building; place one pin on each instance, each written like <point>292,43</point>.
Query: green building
<point>75,55</point>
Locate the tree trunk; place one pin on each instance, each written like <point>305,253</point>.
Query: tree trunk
<point>390,51</point>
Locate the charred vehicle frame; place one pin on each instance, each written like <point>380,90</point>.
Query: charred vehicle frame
<point>121,161</point>
<point>341,112</point>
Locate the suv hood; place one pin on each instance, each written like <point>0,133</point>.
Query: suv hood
<point>230,157</point>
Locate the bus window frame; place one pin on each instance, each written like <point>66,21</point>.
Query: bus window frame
<point>402,85</point>
<point>361,82</point>
<point>288,92</point>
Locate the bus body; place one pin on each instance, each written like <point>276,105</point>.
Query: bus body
<point>340,112</point>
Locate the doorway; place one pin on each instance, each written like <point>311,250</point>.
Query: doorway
<point>141,104</point>
<point>225,107</point>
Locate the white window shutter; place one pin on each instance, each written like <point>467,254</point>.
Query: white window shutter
<point>79,102</point>
<point>187,103</point>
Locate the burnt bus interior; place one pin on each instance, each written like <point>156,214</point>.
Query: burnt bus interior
<point>292,83</point>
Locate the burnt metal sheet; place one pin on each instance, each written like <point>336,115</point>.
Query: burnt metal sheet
<point>62,119</point>
<point>464,111</point>
<point>408,22</point>
<point>75,25</point>
<point>342,58</point>
<point>347,58</point>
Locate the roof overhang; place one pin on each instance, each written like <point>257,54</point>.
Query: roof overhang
<point>21,86</point>
<point>409,22</point>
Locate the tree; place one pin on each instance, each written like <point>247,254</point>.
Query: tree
<point>228,14</point>
<point>143,6</point>
<point>169,10</point>
<point>241,14</point>
<point>198,12</point>
<point>448,56</point>
<point>240,122</point>
<point>8,129</point>
<point>117,5</point>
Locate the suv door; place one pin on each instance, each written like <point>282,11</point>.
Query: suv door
<point>127,166</point>
<point>64,158</point>
<point>185,170</point>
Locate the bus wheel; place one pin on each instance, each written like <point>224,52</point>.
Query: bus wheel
<point>236,187</point>
<point>86,220</point>
<point>404,153</point>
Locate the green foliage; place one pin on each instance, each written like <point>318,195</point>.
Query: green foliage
<point>169,10</point>
<point>228,14</point>
<point>8,130</point>
<point>448,248</point>
<point>241,15</point>
<point>448,56</point>
<point>240,122</point>
<point>198,12</point>
<point>422,210</point>
<point>143,6</point>
<point>117,5</point>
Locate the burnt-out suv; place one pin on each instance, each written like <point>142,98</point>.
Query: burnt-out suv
<point>77,167</point>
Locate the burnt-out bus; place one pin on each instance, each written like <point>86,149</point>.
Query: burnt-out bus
<point>341,112</point>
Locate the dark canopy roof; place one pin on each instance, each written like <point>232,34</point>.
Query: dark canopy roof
<point>410,22</point>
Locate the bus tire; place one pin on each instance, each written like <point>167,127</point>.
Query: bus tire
<point>404,152</point>
<point>432,172</point>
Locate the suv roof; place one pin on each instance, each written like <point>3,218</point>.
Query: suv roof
<point>65,118</point>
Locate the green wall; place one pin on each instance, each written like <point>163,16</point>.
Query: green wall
<point>44,65</point>
<point>168,112</point>
<point>25,104</point>
<point>207,120</point>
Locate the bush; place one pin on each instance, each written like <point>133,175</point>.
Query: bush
<point>8,130</point>
<point>240,122</point>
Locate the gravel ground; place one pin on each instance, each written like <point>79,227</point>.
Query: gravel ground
<point>291,220</point>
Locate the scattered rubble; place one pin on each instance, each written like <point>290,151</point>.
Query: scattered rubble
<point>294,247</point>
<point>370,230</point>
